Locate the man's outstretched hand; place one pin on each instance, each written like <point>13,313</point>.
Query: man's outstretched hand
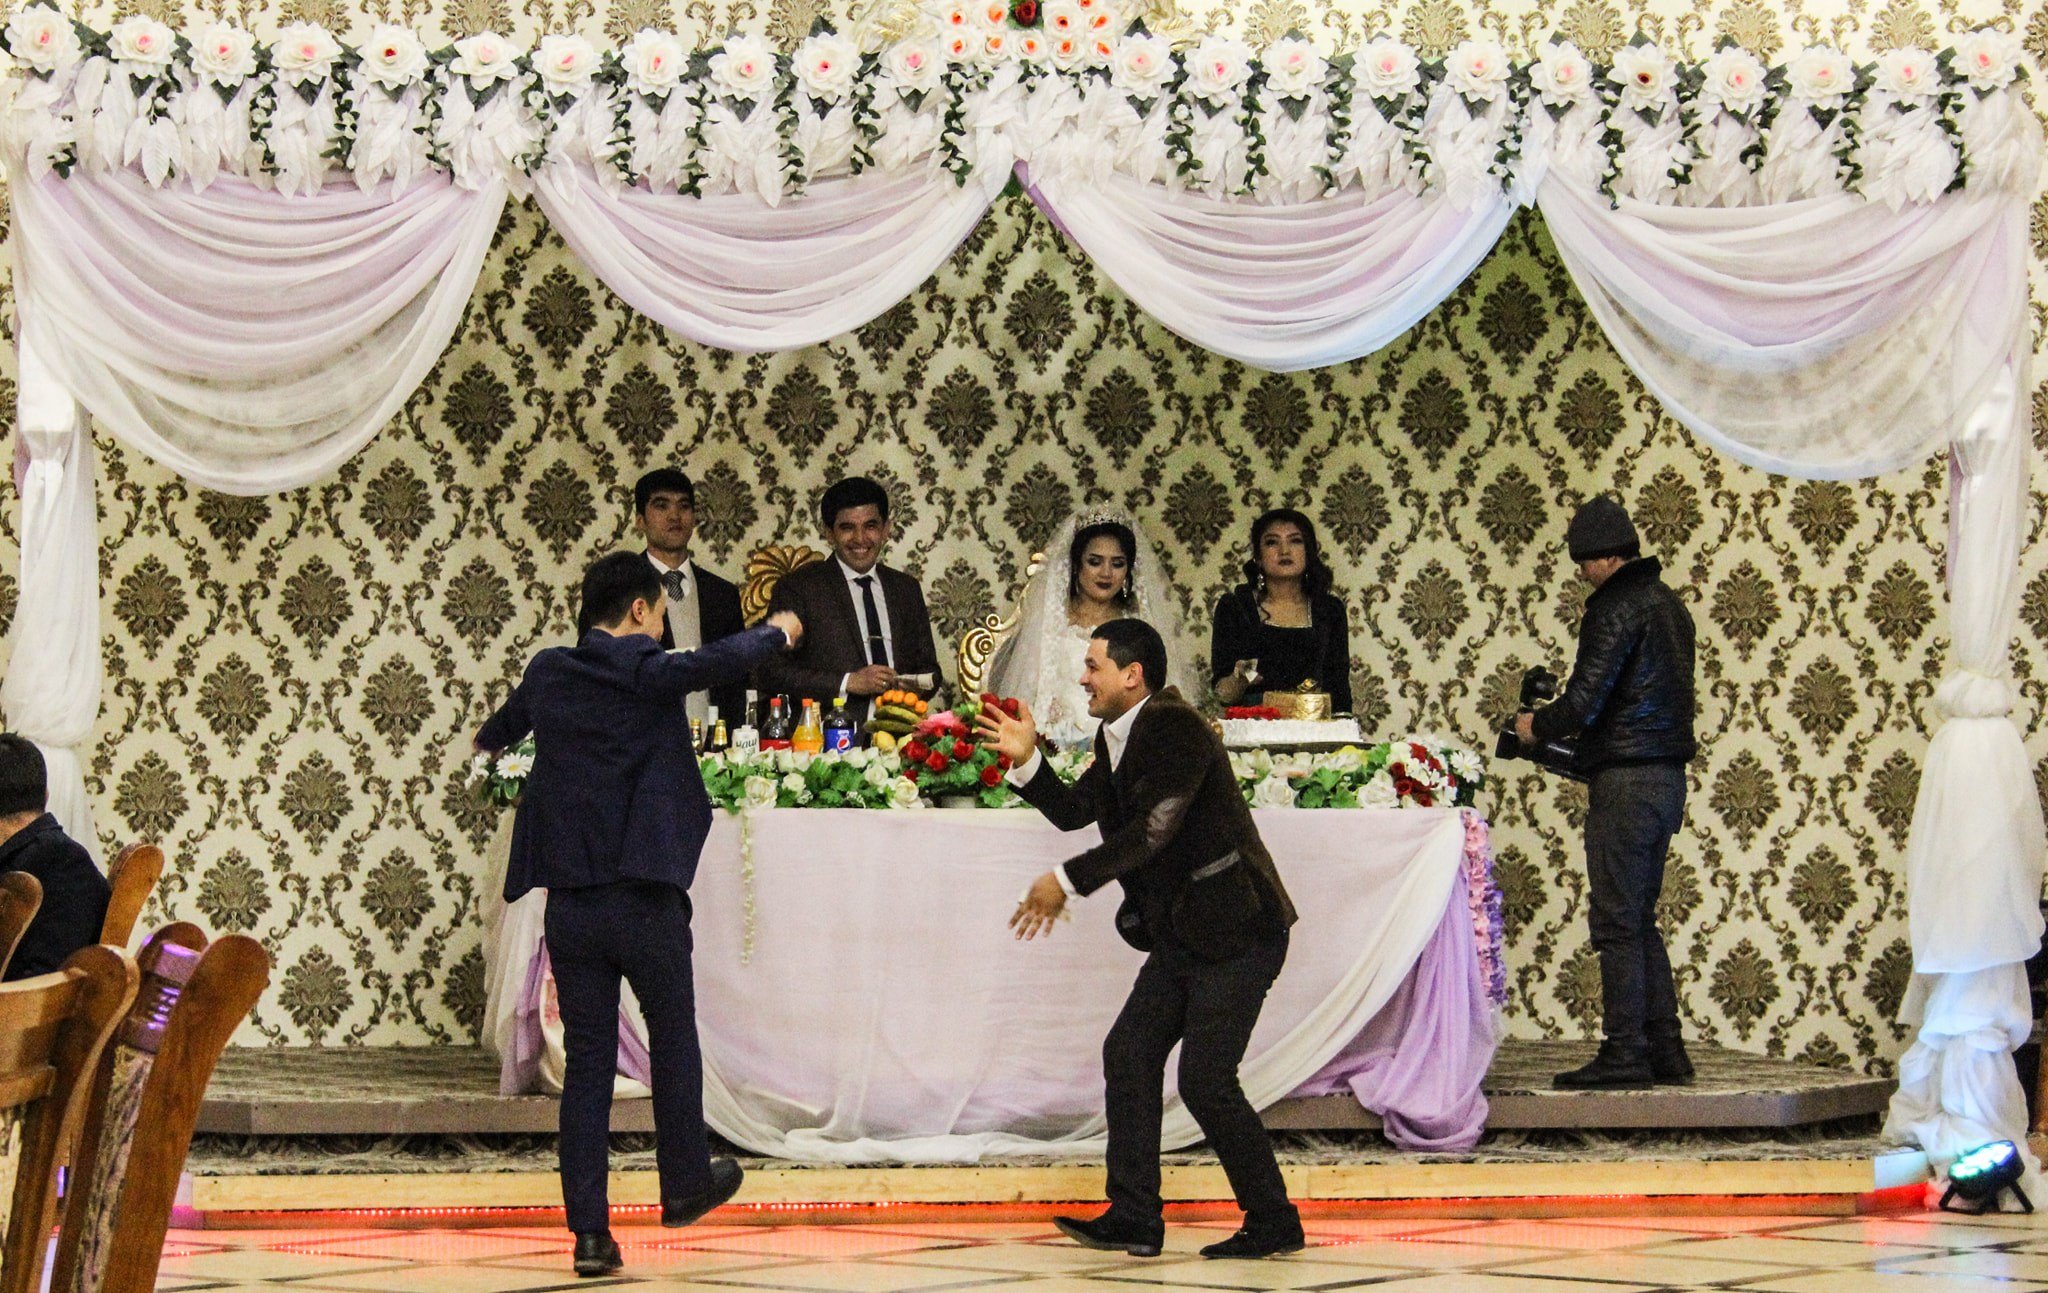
<point>1013,736</point>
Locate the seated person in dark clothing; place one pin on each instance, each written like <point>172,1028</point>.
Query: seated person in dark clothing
<point>1282,626</point>
<point>75,894</point>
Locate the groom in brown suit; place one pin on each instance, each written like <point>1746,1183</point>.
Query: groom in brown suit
<point>1201,897</point>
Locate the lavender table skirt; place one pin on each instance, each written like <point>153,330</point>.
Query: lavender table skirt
<point>860,1000</point>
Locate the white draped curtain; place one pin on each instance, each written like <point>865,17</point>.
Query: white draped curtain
<point>1835,338</point>
<point>252,342</point>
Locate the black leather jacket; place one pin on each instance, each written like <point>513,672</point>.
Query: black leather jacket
<point>1630,695</point>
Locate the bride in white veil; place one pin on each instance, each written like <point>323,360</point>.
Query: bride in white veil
<point>1097,568</point>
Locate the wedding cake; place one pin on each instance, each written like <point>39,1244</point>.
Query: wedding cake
<point>1293,718</point>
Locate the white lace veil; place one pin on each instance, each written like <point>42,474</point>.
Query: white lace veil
<point>1024,659</point>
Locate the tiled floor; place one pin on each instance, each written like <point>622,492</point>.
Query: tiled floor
<point>1912,1253</point>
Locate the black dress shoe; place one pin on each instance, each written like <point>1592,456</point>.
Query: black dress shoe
<point>1107,1233</point>
<point>725,1182</point>
<point>1611,1070</point>
<point>1669,1064</point>
<point>597,1254</point>
<point>1258,1241</point>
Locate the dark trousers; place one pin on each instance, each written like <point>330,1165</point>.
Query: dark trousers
<point>1209,1009</point>
<point>1631,816</point>
<point>640,932</point>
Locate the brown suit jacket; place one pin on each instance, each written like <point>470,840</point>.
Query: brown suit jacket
<point>835,635</point>
<point>1172,809</point>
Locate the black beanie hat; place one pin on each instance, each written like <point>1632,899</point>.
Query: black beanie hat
<point>1601,528</point>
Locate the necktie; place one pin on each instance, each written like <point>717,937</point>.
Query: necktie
<point>878,650</point>
<point>673,581</point>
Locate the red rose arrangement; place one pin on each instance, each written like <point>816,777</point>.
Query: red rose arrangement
<point>1405,783</point>
<point>1251,711</point>
<point>943,758</point>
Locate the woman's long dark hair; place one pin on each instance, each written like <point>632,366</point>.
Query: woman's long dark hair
<point>1315,576</point>
<point>1086,535</point>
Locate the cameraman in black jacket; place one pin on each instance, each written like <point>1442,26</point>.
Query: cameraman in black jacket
<point>1629,708</point>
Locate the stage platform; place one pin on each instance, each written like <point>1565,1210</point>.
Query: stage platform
<point>297,1134</point>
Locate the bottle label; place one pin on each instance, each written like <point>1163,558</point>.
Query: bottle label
<point>838,739</point>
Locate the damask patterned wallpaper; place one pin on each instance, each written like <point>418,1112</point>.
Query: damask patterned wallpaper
<point>292,680</point>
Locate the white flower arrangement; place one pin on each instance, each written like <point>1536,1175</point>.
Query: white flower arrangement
<point>1077,89</point>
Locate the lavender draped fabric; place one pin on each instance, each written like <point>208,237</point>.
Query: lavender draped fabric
<point>1282,287</point>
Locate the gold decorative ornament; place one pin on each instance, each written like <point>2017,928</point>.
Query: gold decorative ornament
<point>979,644</point>
<point>765,569</point>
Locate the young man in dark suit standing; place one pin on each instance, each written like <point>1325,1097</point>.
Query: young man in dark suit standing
<point>75,893</point>
<point>701,606</point>
<point>869,629</point>
<point>1201,897</point>
<point>611,823</point>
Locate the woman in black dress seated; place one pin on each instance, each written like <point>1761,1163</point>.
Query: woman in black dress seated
<point>1283,626</point>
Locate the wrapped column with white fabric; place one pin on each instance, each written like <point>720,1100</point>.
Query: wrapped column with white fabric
<point>51,693</point>
<point>1835,337</point>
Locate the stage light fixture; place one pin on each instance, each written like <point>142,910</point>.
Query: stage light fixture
<point>1979,1176</point>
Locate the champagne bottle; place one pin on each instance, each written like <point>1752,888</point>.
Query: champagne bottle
<point>697,735</point>
<point>745,738</point>
<point>810,734</point>
<point>775,733</point>
<point>839,730</point>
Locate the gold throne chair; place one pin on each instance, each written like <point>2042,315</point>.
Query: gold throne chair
<point>976,653</point>
<point>766,565</point>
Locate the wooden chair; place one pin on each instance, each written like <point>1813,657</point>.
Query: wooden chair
<point>765,568</point>
<point>21,897</point>
<point>142,1104</point>
<point>53,1032</point>
<point>976,653</point>
<point>133,877</point>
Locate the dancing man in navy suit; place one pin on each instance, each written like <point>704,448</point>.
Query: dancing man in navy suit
<point>610,823</point>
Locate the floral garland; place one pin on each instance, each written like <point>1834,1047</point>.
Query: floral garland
<point>1483,899</point>
<point>1074,87</point>
<point>1425,771</point>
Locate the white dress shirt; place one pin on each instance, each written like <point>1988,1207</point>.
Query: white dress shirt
<point>1115,735</point>
<point>686,626</point>
<point>860,613</point>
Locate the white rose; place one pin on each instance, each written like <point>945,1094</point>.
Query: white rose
<point>1064,18</point>
<point>1029,47</point>
<point>566,63</point>
<point>42,38</point>
<point>801,759</point>
<point>1478,69</point>
<point>654,62</point>
<point>1561,74</point>
<point>879,776</point>
<point>304,52</point>
<point>1379,793</point>
<point>223,54</point>
<point>912,65</point>
<point>1218,67</point>
<point>1273,792</point>
<point>393,57</point>
<point>1820,73</point>
<point>1293,68</point>
<point>1387,69</point>
<point>904,794</point>
<point>1989,58</point>
<point>1067,51</point>
<point>1143,66</point>
<point>1645,74</point>
<point>1734,79</point>
<point>758,792</point>
<point>1348,759</point>
<point>959,17</point>
<point>485,58</point>
<point>992,15</point>
<point>744,69</point>
<point>1906,73</point>
<point>826,65</point>
<point>141,41</point>
<point>794,783</point>
<point>965,46</point>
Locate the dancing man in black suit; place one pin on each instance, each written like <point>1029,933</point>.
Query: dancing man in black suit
<point>611,822</point>
<point>869,631</point>
<point>701,606</point>
<point>1201,897</point>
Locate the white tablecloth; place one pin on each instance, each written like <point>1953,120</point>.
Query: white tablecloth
<point>884,1012</point>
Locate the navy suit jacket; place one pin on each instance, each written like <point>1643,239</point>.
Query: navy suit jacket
<point>614,793</point>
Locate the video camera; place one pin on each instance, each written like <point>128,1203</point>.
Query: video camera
<point>1538,685</point>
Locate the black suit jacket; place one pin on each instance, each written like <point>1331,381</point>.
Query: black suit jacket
<point>835,632</point>
<point>614,793</point>
<point>718,616</point>
<point>1170,810</point>
<point>75,896</point>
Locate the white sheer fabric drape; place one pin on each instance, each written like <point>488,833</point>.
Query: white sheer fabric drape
<point>1280,287</point>
<point>1836,338</point>
<point>250,341</point>
<point>51,693</point>
<point>727,270</point>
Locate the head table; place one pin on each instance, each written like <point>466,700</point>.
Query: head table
<point>861,1000</point>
